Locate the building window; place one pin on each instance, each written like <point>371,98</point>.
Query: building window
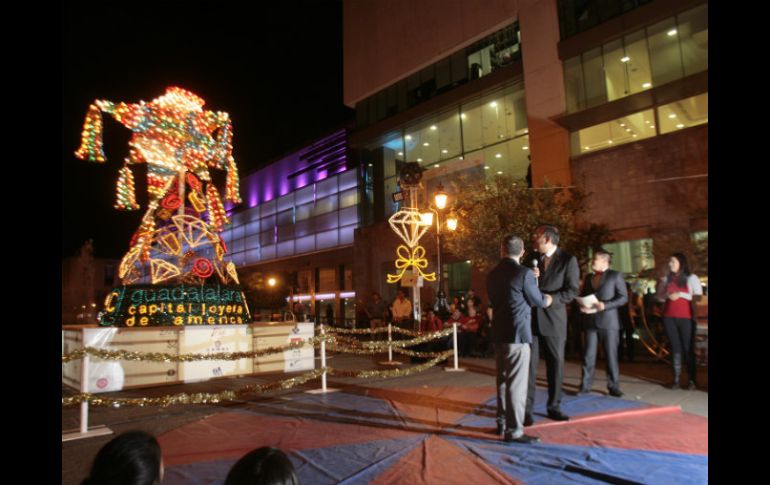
<point>665,56</point>
<point>480,138</point>
<point>576,16</point>
<point>493,118</point>
<point>477,60</point>
<point>306,220</point>
<point>694,36</point>
<point>684,113</point>
<point>658,54</point>
<point>630,128</point>
<point>593,70</point>
<point>434,139</point>
<point>631,257</point>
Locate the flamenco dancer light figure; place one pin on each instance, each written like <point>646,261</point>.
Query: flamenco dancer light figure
<point>179,141</point>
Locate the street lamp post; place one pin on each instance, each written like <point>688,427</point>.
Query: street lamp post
<point>440,198</point>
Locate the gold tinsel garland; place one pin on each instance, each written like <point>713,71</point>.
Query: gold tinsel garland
<point>359,351</point>
<point>213,398</point>
<point>411,333</point>
<point>406,343</point>
<point>394,329</point>
<point>194,398</point>
<point>353,330</point>
<point>162,357</point>
<point>418,354</point>
<point>391,373</point>
<point>355,347</point>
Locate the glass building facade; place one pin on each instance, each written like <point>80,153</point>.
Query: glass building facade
<point>479,59</point>
<point>303,203</point>
<point>479,138</point>
<point>664,119</point>
<point>649,57</point>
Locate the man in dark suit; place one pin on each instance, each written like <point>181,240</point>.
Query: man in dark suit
<point>602,321</point>
<point>512,293</point>
<point>559,276</point>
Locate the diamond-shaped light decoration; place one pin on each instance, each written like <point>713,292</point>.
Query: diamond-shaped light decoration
<point>409,226</point>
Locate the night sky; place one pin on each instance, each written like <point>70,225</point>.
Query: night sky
<point>277,70</point>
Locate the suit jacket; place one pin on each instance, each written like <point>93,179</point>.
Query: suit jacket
<point>562,281</point>
<point>512,291</point>
<point>613,293</point>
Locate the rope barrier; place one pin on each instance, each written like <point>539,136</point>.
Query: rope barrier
<point>85,398</point>
<point>231,395</point>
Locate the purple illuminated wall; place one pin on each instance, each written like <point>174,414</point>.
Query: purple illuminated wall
<point>323,158</point>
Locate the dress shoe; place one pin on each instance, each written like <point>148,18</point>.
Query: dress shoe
<point>500,429</point>
<point>524,439</point>
<point>528,421</point>
<point>674,385</point>
<point>691,385</point>
<point>558,416</point>
<point>616,393</point>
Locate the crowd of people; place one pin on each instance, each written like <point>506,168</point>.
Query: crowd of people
<point>134,458</point>
<point>529,307</point>
<point>526,317</point>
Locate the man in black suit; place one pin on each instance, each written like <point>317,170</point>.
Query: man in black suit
<point>602,321</point>
<point>512,293</point>
<point>559,276</point>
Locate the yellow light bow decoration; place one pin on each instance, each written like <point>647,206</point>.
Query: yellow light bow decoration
<point>406,259</point>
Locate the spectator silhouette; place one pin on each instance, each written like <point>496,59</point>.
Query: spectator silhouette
<point>263,466</point>
<point>329,315</point>
<point>132,458</point>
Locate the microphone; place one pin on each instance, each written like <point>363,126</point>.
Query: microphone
<point>534,266</point>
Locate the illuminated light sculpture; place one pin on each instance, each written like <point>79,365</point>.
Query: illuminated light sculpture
<point>407,223</point>
<point>179,142</point>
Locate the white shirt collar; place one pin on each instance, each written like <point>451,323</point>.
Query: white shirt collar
<point>550,253</point>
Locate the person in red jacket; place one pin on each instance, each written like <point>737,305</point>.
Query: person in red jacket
<point>431,323</point>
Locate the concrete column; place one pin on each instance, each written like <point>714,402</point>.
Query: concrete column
<point>544,88</point>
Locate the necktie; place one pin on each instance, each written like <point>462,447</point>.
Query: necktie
<point>546,262</point>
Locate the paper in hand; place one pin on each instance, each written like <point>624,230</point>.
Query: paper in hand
<point>587,301</point>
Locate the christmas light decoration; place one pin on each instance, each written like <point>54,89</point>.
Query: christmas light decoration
<point>217,216</point>
<point>409,226</point>
<point>126,199</point>
<point>177,240</point>
<point>171,134</point>
<point>415,258</point>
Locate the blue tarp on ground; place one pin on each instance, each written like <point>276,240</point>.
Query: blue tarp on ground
<point>349,464</point>
<point>339,405</point>
<point>544,463</point>
<point>574,406</point>
<point>547,463</point>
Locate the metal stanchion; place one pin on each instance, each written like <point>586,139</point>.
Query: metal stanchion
<point>390,360</point>
<point>84,432</point>
<point>454,340</point>
<point>323,389</point>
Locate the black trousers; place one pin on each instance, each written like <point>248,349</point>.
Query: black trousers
<point>609,339</point>
<point>552,348</point>
<point>681,335</point>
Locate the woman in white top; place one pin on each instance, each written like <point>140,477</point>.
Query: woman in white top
<point>680,289</point>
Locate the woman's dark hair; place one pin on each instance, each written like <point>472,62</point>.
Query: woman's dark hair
<point>684,270</point>
<point>264,466</point>
<point>132,458</point>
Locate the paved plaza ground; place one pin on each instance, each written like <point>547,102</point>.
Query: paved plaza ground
<point>642,380</point>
